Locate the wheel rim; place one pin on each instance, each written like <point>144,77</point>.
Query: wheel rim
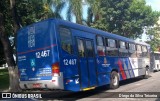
<point>115,80</point>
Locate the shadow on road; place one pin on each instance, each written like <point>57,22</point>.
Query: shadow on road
<point>129,81</point>
<point>99,92</point>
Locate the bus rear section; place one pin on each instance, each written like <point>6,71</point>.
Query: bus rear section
<point>38,57</point>
<point>156,61</point>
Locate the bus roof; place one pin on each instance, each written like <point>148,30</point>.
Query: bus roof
<point>99,32</point>
<point>91,30</point>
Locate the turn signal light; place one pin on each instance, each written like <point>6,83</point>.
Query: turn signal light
<point>55,69</point>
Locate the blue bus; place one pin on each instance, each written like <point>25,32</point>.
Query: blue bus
<point>56,54</point>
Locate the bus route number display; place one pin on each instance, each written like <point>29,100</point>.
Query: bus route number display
<point>42,54</point>
<point>69,62</point>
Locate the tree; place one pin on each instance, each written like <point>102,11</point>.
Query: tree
<point>128,17</point>
<point>75,8</point>
<point>5,13</point>
<point>116,14</point>
<point>154,37</point>
<point>2,60</point>
<point>13,15</point>
<point>30,11</point>
<point>95,17</point>
<point>143,16</point>
<point>58,5</point>
<point>9,57</point>
<point>2,11</point>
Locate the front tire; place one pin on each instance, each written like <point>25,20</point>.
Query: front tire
<point>114,80</point>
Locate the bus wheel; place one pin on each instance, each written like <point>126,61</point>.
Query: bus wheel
<point>146,76</point>
<point>114,80</point>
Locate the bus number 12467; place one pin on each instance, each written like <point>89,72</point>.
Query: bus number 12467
<point>42,54</point>
<point>69,61</point>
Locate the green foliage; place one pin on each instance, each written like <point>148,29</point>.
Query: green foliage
<point>2,60</point>
<point>75,8</point>
<point>58,6</point>
<point>154,35</point>
<point>26,12</point>
<point>95,17</point>
<point>30,11</point>
<point>5,10</point>
<point>128,17</point>
<point>4,79</point>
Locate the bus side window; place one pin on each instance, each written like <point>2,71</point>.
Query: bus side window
<point>139,51</point>
<point>66,39</point>
<point>100,46</point>
<point>90,50</point>
<point>127,45</point>
<point>144,51</point>
<point>81,51</point>
<point>123,50</point>
<point>132,50</point>
<point>127,49</point>
<point>111,47</point>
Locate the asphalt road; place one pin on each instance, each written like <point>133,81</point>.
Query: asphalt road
<point>137,89</point>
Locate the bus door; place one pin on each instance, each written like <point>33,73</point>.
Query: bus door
<point>86,60</point>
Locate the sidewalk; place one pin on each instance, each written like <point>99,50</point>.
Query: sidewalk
<point>3,67</point>
<point>3,90</point>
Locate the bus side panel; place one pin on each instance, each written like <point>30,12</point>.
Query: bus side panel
<point>126,70</point>
<point>68,65</point>
<point>103,70</point>
<point>139,65</point>
<point>106,65</point>
<point>130,69</point>
<point>76,72</point>
<point>134,64</point>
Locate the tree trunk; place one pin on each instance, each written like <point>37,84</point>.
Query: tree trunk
<point>16,22</point>
<point>12,69</point>
<point>14,79</point>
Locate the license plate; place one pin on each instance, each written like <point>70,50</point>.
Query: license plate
<point>36,85</point>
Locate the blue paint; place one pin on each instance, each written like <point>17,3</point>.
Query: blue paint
<point>82,72</point>
<point>32,62</point>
